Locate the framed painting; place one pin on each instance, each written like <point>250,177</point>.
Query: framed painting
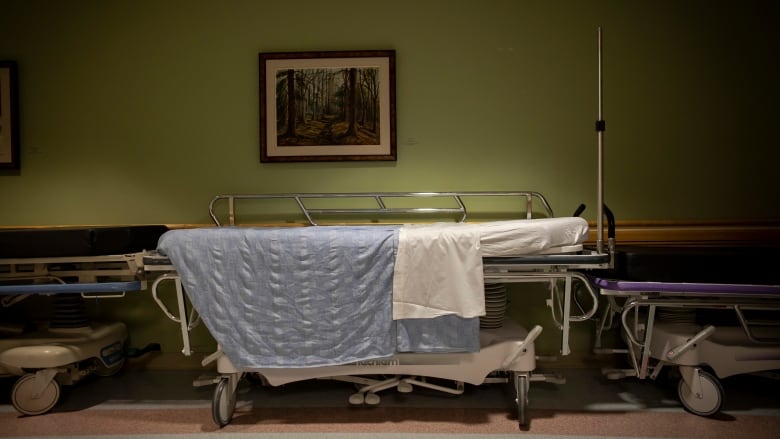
<point>9,116</point>
<point>327,106</point>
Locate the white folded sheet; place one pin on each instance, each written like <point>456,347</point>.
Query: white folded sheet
<point>438,270</point>
<point>438,267</point>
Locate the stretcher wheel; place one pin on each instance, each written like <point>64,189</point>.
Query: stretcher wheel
<point>521,391</point>
<point>708,402</point>
<point>372,399</point>
<point>26,402</point>
<point>224,403</point>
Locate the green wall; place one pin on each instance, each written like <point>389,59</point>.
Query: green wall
<point>141,111</point>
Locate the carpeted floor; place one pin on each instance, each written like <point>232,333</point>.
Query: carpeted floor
<point>146,404</point>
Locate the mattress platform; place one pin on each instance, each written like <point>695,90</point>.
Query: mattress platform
<point>716,265</point>
<point>78,241</point>
<point>75,259</point>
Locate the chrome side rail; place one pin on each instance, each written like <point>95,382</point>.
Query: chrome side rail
<point>380,199</point>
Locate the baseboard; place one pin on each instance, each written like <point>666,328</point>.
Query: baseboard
<point>700,233</point>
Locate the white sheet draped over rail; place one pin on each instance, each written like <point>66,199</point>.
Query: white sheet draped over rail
<point>438,271</point>
<point>438,268</point>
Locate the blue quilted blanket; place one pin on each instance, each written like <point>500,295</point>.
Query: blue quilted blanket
<point>304,296</point>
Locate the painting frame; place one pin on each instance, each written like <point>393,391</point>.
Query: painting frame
<point>9,116</point>
<point>326,124</point>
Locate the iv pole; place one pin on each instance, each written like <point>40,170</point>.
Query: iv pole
<point>600,127</point>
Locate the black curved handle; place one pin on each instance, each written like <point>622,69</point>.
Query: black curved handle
<point>610,222</point>
<point>607,212</point>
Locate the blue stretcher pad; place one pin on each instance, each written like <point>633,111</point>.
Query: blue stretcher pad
<point>96,287</point>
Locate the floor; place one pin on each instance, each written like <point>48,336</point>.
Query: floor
<point>584,389</point>
<point>585,398</point>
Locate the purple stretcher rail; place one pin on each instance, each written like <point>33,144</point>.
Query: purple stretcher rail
<point>685,287</point>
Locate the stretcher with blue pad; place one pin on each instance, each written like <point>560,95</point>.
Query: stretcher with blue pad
<point>68,265</point>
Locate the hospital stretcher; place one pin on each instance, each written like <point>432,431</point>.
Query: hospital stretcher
<point>70,265</point>
<point>708,313</point>
<point>504,350</point>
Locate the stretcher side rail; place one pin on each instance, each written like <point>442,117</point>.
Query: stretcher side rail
<point>382,201</point>
<point>85,289</point>
<point>93,277</point>
<point>81,268</point>
<point>634,306</point>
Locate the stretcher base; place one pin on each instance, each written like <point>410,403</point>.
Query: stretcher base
<point>49,357</point>
<point>716,353</point>
<point>509,349</point>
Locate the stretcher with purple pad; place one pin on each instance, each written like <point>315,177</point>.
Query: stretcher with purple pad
<point>69,264</point>
<point>709,312</point>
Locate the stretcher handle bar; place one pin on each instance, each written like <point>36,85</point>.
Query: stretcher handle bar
<point>522,348</point>
<point>194,318</point>
<point>593,295</point>
<point>593,300</point>
<point>627,308</point>
<point>699,303</point>
<point>610,223</point>
<point>685,347</point>
<point>185,324</point>
<point>746,324</point>
<point>533,334</point>
<point>160,304</point>
<point>606,212</point>
<point>381,206</point>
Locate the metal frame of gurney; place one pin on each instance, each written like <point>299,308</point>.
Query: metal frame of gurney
<point>69,347</point>
<point>659,323</point>
<point>506,354</point>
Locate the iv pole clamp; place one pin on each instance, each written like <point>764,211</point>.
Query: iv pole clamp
<point>600,127</point>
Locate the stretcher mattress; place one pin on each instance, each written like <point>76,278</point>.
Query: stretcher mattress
<point>71,250</point>
<point>675,264</point>
<point>78,241</point>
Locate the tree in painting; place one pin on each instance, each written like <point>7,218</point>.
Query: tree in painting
<point>321,107</point>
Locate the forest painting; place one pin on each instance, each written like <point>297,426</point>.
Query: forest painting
<point>317,106</point>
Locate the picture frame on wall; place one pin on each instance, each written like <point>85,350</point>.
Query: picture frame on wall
<point>9,116</point>
<point>343,106</point>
